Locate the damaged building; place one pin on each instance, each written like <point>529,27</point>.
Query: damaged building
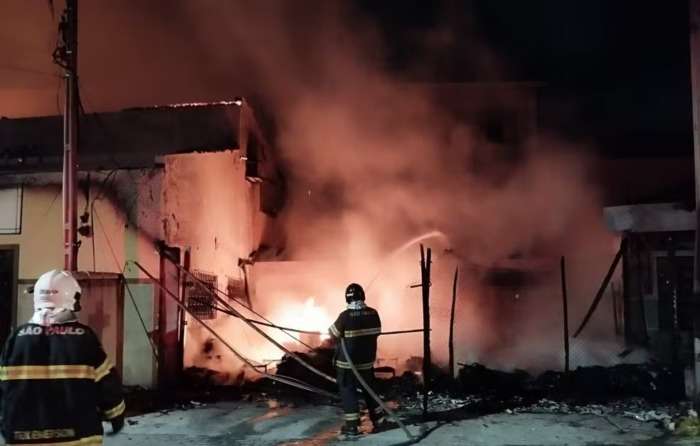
<point>194,186</point>
<point>657,301</point>
<point>172,197</point>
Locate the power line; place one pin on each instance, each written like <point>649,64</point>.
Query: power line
<point>280,378</point>
<point>128,289</point>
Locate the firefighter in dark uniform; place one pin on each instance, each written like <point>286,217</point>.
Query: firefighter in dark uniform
<point>57,383</point>
<point>359,325</point>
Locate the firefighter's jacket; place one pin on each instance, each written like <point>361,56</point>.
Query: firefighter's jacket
<point>57,386</point>
<point>359,326</point>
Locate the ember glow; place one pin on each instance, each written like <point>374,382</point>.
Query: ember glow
<point>308,315</point>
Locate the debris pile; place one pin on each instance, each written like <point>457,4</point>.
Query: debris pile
<point>478,379</point>
<point>320,358</point>
<point>653,382</point>
<point>687,426</point>
<point>638,392</point>
<point>440,402</point>
<point>201,378</point>
<point>637,409</point>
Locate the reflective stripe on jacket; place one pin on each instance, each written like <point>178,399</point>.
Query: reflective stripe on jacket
<point>360,329</point>
<point>57,386</point>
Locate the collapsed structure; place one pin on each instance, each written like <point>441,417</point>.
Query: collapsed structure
<point>147,175</point>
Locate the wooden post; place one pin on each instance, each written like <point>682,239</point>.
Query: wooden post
<point>613,295</point>
<point>451,346</point>
<point>182,315</point>
<point>425,285</point>
<point>603,287</point>
<point>566,314</point>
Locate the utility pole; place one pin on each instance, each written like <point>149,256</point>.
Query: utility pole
<point>66,56</point>
<point>695,84</point>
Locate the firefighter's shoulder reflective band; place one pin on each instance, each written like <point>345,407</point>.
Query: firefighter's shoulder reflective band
<point>18,372</point>
<point>87,441</point>
<point>334,331</point>
<point>103,370</point>
<point>10,373</point>
<point>346,365</point>
<point>115,411</point>
<point>362,332</point>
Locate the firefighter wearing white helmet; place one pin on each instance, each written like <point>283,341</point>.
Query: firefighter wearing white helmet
<point>56,297</point>
<point>57,383</point>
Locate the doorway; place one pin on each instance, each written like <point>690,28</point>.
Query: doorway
<point>9,256</point>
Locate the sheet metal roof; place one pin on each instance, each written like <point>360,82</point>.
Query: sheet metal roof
<point>131,138</point>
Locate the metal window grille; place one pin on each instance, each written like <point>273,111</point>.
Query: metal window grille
<point>200,297</point>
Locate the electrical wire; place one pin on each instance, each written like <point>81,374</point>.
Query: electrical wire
<point>371,392</point>
<point>92,213</point>
<point>266,324</point>
<point>231,311</point>
<point>279,378</point>
<point>188,273</point>
<point>286,380</point>
<point>260,331</point>
<point>128,289</point>
<point>138,313</point>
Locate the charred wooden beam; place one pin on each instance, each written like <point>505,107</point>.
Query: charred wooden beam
<point>451,345</point>
<point>566,313</point>
<point>425,282</point>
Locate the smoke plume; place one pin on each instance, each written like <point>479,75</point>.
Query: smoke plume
<point>374,161</point>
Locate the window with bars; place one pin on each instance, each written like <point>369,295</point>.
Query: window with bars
<point>200,294</point>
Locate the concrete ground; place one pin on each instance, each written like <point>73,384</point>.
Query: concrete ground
<point>258,424</point>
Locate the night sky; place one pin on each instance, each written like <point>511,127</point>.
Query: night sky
<point>616,73</point>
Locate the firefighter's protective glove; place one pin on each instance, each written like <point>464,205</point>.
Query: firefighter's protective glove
<point>117,425</point>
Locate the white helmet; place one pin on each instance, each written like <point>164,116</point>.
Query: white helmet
<point>57,289</point>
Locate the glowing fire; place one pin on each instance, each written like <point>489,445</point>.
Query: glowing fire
<point>307,316</point>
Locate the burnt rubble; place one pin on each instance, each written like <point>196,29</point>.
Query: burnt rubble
<point>586,384</point>
<point>593,384</point>
<point>203,378</point>
<point>320,358</point>
<point>644,392</point>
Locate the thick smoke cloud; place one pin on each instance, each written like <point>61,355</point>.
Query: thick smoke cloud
<point>373,161</point>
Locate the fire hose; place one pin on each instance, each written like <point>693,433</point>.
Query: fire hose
<point>371,392</point>
<point>208,287</point>
<point>285,380</point>
<point>233,312</point>
<point>361,380</point>
<point>295,330</point>
<point>260,331</point>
